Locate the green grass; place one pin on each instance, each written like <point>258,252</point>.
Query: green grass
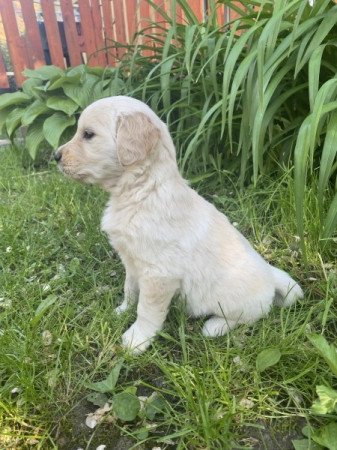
<point>51,244</point>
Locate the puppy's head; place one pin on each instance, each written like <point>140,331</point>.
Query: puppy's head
<point>113,135</point>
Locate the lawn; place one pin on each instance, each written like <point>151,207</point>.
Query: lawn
<point>60,282</point>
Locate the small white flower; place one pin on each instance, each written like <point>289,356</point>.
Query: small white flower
<point>246,403</point>
<point>16,390</point>
<point>47,338</point>
<point>5,303</point>
<point>8,249</point>
<point>237,360</point>
<point>311,2</point>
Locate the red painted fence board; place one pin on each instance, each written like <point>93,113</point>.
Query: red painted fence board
<point>52,31</point>
<point>90,30</point>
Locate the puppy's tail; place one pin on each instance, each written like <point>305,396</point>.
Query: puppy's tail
<point>287,290</point>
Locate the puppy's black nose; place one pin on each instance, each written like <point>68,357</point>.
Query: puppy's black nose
<point>58,156</point>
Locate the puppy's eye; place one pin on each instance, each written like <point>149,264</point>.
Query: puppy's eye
<point>88,135</point>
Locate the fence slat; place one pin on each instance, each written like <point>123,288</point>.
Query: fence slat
<point>52,32</point>
<point>119,26</point>
<point>109,32</point>
<point>15,44</point>
<point>33,39</point>
<point>71,32</point>
<point>4,84</point>
<point>131,14</point>
<point>98,24</point>
<point>88,29</point>
<point>198,8</point>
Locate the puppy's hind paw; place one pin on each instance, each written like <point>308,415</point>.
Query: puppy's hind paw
<point>121,309</point>
<point>215,326</point>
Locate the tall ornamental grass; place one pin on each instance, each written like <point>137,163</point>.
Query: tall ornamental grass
<point>252,97</point>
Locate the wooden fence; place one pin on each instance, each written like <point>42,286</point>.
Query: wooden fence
<point>67,33</point>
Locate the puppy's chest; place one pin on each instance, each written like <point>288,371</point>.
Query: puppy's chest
<point>117,227</point>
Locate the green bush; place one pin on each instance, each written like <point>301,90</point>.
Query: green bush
<point>51,100</point>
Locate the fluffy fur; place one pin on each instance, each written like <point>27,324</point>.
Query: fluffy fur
<point>170,240</point>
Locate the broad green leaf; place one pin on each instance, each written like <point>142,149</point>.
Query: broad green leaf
<point>43,307</point>
<point>327,436</point>
<point>126,406</point>
<point>54,127</point>
<point>82,93</point>
<point>305,444</point>
<point>97,398</point>
<point>35,110</point>
<point>13,99</point>
<point>327,401</point>
<point>154,405</point>
<point>13,120</point>
<point>44,72</point>
<point>65,80</point>
<point>267,358</point>
<point>65,105</point>
<point>326,350</point>
<point>29,86</point>
<point>34,138</point>
<point>108,385</point>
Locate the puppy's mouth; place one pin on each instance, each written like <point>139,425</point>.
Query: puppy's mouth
<point>72,173</point>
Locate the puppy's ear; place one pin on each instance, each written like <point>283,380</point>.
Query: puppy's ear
<point>136,137</point>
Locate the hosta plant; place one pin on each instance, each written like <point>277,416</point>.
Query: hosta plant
<point>51,100</point>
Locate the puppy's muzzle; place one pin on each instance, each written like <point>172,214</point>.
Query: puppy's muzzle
<point>58,156</point>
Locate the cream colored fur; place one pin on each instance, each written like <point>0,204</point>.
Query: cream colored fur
<point>170,240</point>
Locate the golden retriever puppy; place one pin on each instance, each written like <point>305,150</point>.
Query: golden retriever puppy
<point>170,240</point>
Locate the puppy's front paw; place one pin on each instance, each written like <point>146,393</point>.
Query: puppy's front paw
<point>136,341</point>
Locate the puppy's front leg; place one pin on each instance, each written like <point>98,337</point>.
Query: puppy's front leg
<point>131,292</point>
<point>154,300</point>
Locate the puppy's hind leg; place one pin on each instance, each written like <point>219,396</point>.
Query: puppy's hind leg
<point>131,292</point>
<point>217,326</point>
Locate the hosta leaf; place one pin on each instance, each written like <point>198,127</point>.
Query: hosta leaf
<point>267,358</point>
<point>126,406</point>
<point>34,138</point>
<point>13,120</point>
<point>54,126</point>
<point>82,93</point>
<point>65,105</point>
<point>44,72</point>
<point>107,385</point>
<point>36,109</point>
<point>29,86</point>
<point>65,80</point>
<point>13,99</point>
